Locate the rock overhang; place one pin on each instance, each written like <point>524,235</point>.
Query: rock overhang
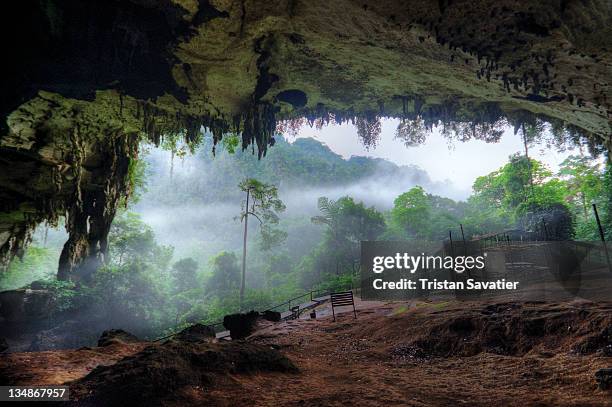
<point>87,79</point>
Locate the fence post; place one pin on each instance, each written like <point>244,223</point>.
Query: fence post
<point>450,238</point>
<point>463,238</point>
<point>602,236</point>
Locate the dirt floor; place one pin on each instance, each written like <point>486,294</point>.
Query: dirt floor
<point>404,354</point>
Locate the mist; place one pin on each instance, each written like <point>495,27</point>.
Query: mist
<point>205,222</point>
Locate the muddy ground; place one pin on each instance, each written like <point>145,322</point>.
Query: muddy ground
<point>404,354</point>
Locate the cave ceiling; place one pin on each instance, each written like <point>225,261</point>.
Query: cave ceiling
<point>85,81</point>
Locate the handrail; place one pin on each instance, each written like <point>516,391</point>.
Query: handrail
<point>288,302</point>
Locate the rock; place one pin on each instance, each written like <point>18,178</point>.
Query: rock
<point>3,345</point>
<point>36,135</point>
<point>37,285</point>
<point>604,378</point>
<point>241,325</point>
<point>24,305</point>
<point>113,336</point>
<point>196,333</point>
<point>273,316</point>
<point>70,334</point>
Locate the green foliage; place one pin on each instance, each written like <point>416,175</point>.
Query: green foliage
<point>585,185</point>
<point>278,270</point>
<point>418,215</point>
<point>514,184</point>
<point>520,192</point>
<point>37,263</point>
<point>348,220</point>
<point>140,289</point>
<point>301,164</point>
<point>347,224</point>
<point>184,274</point>
<point>133,288</point>
<point>263,203</point>
<point>606,200</point>
<point>63,293</point>
<point>128,295</point>
<point>131,238</point>
<point>225,277</point>
<point>411,212</point>
<point>137,184</point>
<point>231,142</point>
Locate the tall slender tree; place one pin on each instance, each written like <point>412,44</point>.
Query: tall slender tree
<point>262,202</point>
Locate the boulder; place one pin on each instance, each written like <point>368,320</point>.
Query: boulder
<point>196,333</point>
<point>241,325</point>
<point>604,378</point>
<point>3,345</point>
<point>38,285</point>
<point>113,336</point>
<point>70,334</point>
<point>25,305</point>
<point>273,316</point>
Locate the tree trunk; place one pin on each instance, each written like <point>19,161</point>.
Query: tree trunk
<point>244,250</point>
<point>528,160</point>
<point>584,207</point>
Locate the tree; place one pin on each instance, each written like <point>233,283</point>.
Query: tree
<point>130,238</point>
<point>551,221</point>
<point>184,274</point>
<point>128,295</point>
<point>130,290</point>
<point>522,192</point>
<point>225,274</point>
<point>419,215</point>
<point>349,220</point>
<point>520,182</point>
<point>263,203</point>
<point>606,203</point>
<point>276,271</point>
<point>411,212</point>
<point>348,223</point>
<point>584,183</point>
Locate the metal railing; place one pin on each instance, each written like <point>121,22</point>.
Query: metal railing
<point>311,294</point>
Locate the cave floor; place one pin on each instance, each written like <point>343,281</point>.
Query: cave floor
<point>373,360</point>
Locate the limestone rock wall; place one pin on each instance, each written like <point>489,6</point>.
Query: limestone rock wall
<point>87,80</point>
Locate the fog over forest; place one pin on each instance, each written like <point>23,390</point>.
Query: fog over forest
<point>191,202</point>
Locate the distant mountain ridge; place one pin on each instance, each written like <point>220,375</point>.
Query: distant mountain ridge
<point>303,163</point>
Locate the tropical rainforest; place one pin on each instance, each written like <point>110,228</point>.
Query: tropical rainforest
<point>160,203</point>
<point>176,245</point>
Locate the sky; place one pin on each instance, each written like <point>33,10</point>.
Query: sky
<point>460,163</point>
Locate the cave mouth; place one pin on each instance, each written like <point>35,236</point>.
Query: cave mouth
<point>76,106</point>
<point>185,185</point>
<point>176,225</point>
<point>92,172</point>
<point>105,177</point>
<point>80,254</point>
